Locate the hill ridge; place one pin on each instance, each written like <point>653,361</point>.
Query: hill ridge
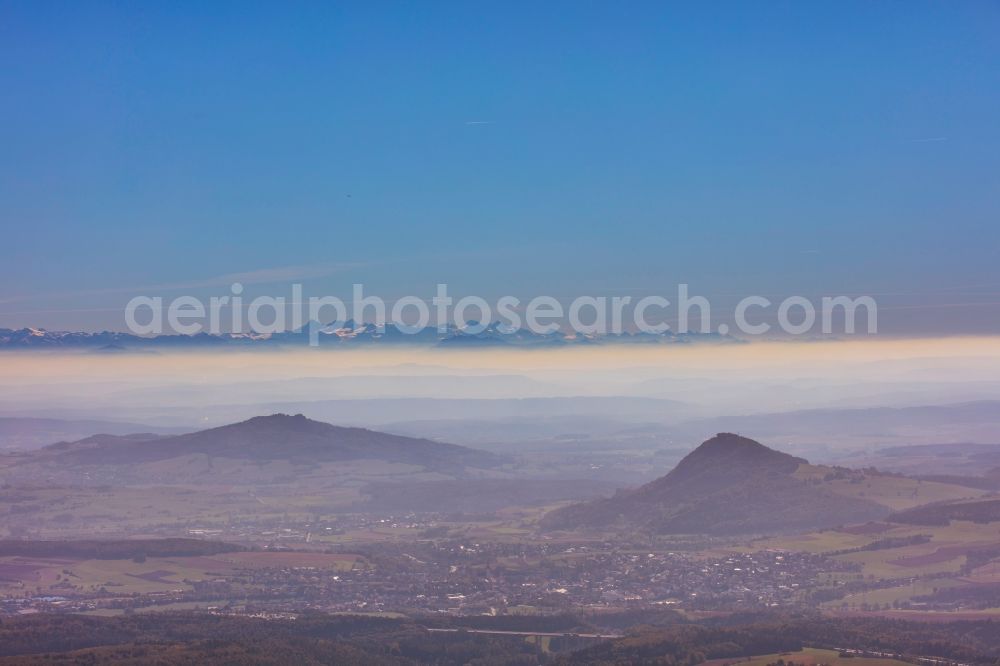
<point>728,485</point>
<point>269,438</point>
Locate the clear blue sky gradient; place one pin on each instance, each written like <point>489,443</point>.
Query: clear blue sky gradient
<point>527,148</point>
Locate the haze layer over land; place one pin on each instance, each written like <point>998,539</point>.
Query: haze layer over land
<point>899,371</point>
<point>789,390</point>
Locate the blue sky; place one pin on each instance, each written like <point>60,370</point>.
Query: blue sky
<point>527,148</point>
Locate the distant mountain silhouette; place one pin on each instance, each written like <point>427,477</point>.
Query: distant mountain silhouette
<point>728,485</point>
<point>18,432</point>
<point>272,438</point>
<point>346,334</point>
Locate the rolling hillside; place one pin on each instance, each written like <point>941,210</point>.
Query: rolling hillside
<point>259,449</point>
<point>734,485</point>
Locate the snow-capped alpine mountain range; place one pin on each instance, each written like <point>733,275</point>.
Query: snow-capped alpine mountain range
<point>348,334</point>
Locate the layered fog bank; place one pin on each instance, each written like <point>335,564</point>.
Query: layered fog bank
<point>788,393</point>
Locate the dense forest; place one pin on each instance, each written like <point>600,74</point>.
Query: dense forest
<point>983,511</point>
<point>122,549</point>
<point>191,638</point>
<point>689,644</point>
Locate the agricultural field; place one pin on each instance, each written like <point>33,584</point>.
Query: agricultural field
<point>985,574</point>
<point>87,512</point>
<point>944,552</point>
<point>808,657</point>
<point>895,492</point>
<point>892,595</point>
<point>936,560</point>
<point>57,576</point>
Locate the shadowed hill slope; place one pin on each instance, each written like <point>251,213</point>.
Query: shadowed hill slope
<point>269,438</point>
<point>728,485</point>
